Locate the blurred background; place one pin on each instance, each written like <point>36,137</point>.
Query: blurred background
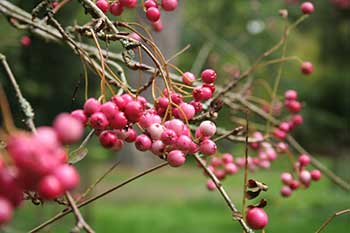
<point>228,36</point>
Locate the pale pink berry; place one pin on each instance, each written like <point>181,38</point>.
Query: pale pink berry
<point>271,154</point>
<point>305,177</point>
<point>99,121</point>
<point>184,143</point>
<point>176,125</point>
<point>216,162</point>
<point>307,8</point>
<point>286,191</point>
<point>128,3</point>
<point>169,137</point>
<point>50,187</point>
<point>284,126</point>
<point>208,76</point>
<point>109,109</point>
<point>5,211</point>
<point>291,95</point>
<point>133,111</point>
<point>207,128</point>
<point>150,3</point>
<point>188,78</point>
<point>262,155</point>
<point>143,142</point>
<point>227,158</point>
<point>220,174</point>
<point>211,185</point>
<point>169,5</point>
<point>279,134</point>
<point>207,147</point>
<point>91,106</point>
<point>256,218</point>
<point>46,137</point>
<point>80,115</point>
<point>231,168</point>
<point>286,178</point>
<point>108,139</point>
<point>158,25</point>
<point>315,175</point>
<point>155,131</point>
<point>119,121</point>
<point>135,36</point>
<point>282,147</point>
<point>103,5</point>
<point>153,14</point>
<point>158,147</point>
<point>265,164</point>
<point>67,175</point>
<point>304,160</point>
<point>116,9</point>
<point>69,130</point>
<point>307,68</point>
<point>176,158</point>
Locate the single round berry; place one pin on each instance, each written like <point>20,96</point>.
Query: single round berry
<point>158,147</point>
<point>207,147</point>
<point>307,68</point>
<point>103,5</point>
<point>128,3</point>
<point>119,121</point>
<point>294,106</point>
<point>279,134</point>
<point>169,5</point>
<point>143,142</point>
<point>109,109</point>
<point>297,119</point>
<point>68,176</point>
<point>211,185</point>
<point>227,158</point>
<point>176,158</point>
<point>286,191</point>
<point>133,111</point>
<point>153,14</point>
<point>198,107</point>
<point>91,106</point>
<point>50,187</point>
<point>184,143</point>
<point>207,128</point>
<point>208,76</point>
<point>69,130</point>
<point>26,41</point>
<point>307,8</point>
<point>99,121</point>
<point>304,160</point>
<point>294,185</point>
<point>155,131</point>
<point>108,139</point>
<point>188,78</point>
<point>158,25</point>
<point>187,111</point>
<point>315,175</point>
<point>80,115</point>
<point>305,177</point>
<point>116,9</point>
<point>256,218</point>
<point>291,95</point>
<point>150,3</point>
<point>168,136</point>
<point>286,178</point>
<point>119,101</point>
<point>231,168</point>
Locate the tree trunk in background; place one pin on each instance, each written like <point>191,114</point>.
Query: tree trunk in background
<point>168,41</point>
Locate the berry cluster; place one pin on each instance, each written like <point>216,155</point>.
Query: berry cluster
<point>163,128</point>
<point>38,164</point>
<point>304,176</point>
<point>151,8</point>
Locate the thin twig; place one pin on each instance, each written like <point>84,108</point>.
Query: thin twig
<point>330,219</point>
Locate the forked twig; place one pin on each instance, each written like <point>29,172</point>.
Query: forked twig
<point>330,219</point>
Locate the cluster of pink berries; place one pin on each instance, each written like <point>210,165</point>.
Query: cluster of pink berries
<point>161,134</point>
<point>294,107</point>
<point>304,176</point>
<point>39,164</point>
<point>150,6</point>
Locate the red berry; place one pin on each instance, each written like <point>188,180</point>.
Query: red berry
<point>207,147</point>
<point>119,121</point>
<point>50,187</point>
<point>315,175</point>
<point>169,5</point>
<point>116,9</point>
<point>150,3</point>
<point>68,176</point>
<point>133,111</point>
<point>128,3</point>
<point>108,139</point>
<point>291,95</point>
<point>304,160</point>
<point>99,121</point>
<point>153,14</point>
<point>307,68</point>
<point>256,218</point>
<point>26,41</point>
<point>307,8</point>
<point>103,5</point>
<point>208,76</point>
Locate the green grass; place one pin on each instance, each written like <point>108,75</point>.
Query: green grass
<point>175,200</point>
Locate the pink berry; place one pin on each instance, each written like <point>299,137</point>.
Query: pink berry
<point>291,95</point>
<point>109,109</point>
<point>98,121</point>
<point>169,5</point>
<point>91,106</point>
<point>284,126</point>
<point>50,187</point>
<point>133,111</point>
<point>256,218</point>
<point>207,128</point>
<point>208,76</point>
<point>211,86</point>
<point>188,78</point>
<point>294,184</point>
<point>143,142</point>
<point>286,178</point>
<point>286,191</point>
<point>184,143</point>
<point>294,106</point>
<point>198,107</point>
<point>150,3</point>
<point>304,160</point>
<point>5,211</point>
<point>119,121</point>
<point>158,147</point>
<point>116,9</point>
<point>128,3</point>
<point>220,174</point>
<point>206,93</point>
<point>307,8</point>
<point>168,137</point>
<point>265,164</point>
<point>103,5</point>
<point>307,68</point>
<point>282,147</point>
<point>153,14</point>
<point>207,147</point>
<point>132,134</point>
<point>155,131</point>
<point>305,177</point>
<point>68,176</point>
<point>80,115</point>
<point>176,158</point>
<point>187,111</point>
<point>118,145</point>
<point>315,175</point>
<point>46,137</point>
<point>163,102</point>
<point>158,25</point>
<point>297,119</point>
<point>216,161</point>
<point>54,5</point>
<point>26,41</point>
<point>271,154</point>
<point>211,185</point>
<point>69,130</point>
<point>119,101</point>
<point>231,168</point>
<point>108,139</point>
<point>227,158</point>
<point>177,125</point>
<point>279,134</point>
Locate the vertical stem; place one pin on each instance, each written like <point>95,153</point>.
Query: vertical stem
<point>245,181</point>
